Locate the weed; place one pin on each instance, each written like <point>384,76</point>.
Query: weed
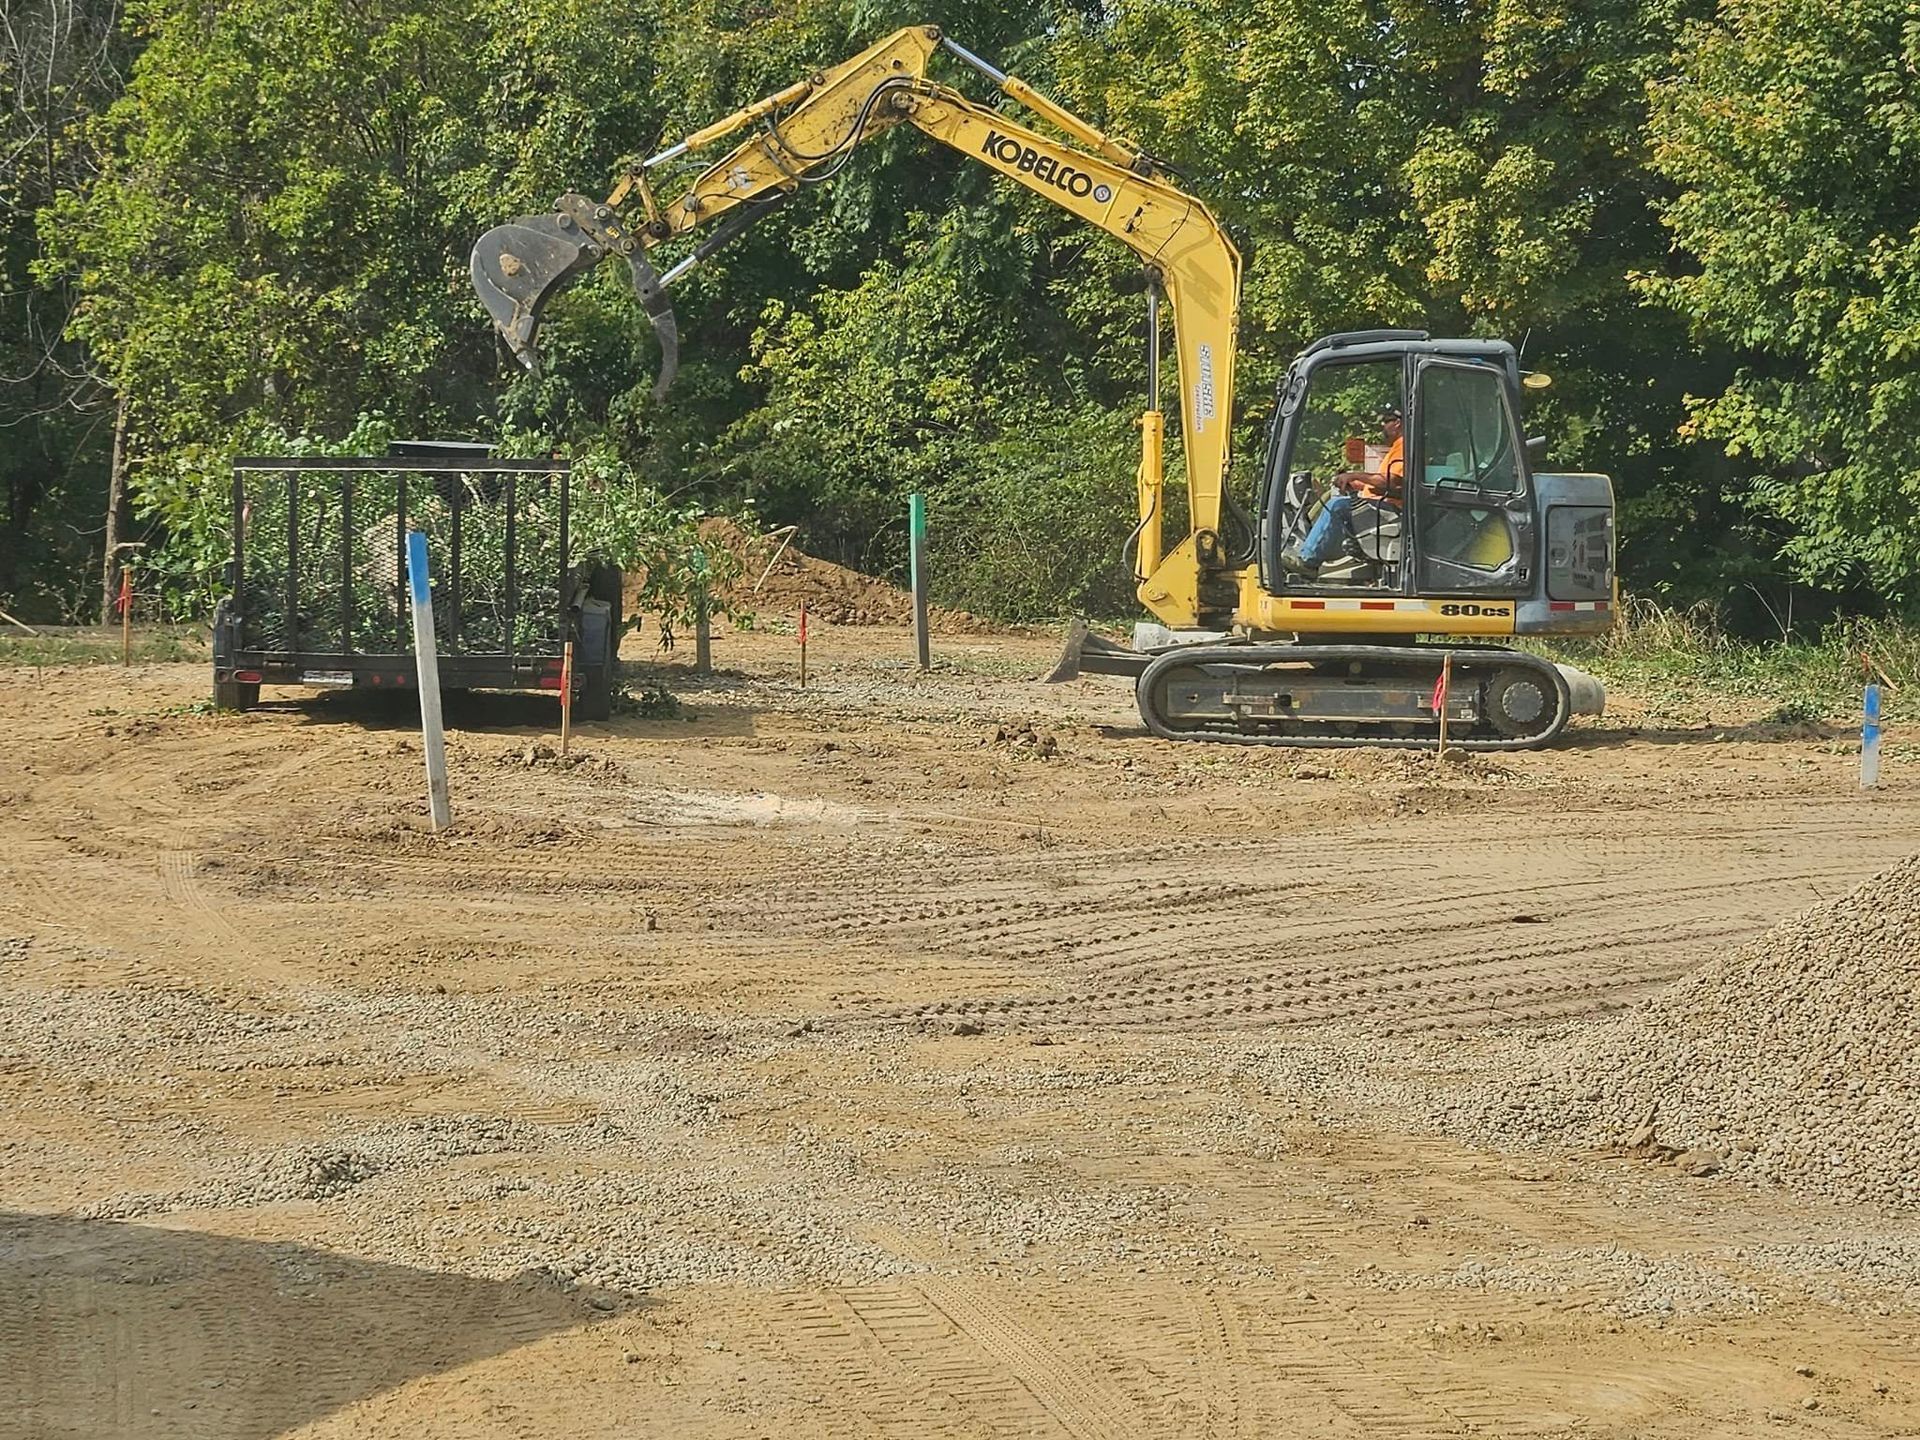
<point>1683,662</point>
<point>189,707</point>
<point>93,645</point>
<point>1793,712</point>
<point>649,702</point>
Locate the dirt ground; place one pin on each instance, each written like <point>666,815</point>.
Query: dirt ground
<point>912,1055</point>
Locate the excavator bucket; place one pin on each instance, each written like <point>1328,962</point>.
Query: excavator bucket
<point>521,265</point>
<point>518,268</point>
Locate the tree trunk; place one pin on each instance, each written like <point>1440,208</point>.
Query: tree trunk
<point>116,516</point>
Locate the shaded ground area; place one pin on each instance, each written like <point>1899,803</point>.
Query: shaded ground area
<point>909,1055</point>
<point>113,1328</point>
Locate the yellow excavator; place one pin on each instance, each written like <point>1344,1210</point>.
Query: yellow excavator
<point>1356,600</point>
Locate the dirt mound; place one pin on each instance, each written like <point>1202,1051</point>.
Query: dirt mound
<point>1795,1059</point>
<point>774,579</point>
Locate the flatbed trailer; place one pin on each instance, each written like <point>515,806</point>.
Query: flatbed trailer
<point>318,584</point>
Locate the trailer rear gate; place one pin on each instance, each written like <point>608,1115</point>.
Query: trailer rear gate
<point>319,585</point>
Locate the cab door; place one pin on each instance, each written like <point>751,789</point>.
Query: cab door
<point>1468,488</point>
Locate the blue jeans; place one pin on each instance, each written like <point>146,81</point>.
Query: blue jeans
<point>1328,537</point>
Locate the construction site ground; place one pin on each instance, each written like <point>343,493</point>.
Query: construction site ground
<point>912,1055</point>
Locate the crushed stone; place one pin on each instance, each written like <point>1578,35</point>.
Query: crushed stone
<point>1793,1061</point>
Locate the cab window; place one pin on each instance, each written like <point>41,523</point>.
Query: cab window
<point>1467,437</point>
<point>1344,406</point>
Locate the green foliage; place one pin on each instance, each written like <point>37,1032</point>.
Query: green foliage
<point>268,234</point>
<point>97,645</point>
<point>1035,525</point>
<point>670,566</point>
<point>271,237</point>
<point>1792,135</point>
<point>648,702</point>
<point>186,497</point>
<point>1684,664</point>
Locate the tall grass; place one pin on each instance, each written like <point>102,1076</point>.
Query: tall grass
<point>100,645</point>
<point>1687,658</point>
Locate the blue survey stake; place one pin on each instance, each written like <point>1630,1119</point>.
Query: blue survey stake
<point>417,566</point>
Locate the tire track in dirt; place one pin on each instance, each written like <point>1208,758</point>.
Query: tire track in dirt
<point>1533,929</point>
<point>210,928</point>
<point>1062,1382</point>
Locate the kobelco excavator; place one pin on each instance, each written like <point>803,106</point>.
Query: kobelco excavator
<point>1357,598</point>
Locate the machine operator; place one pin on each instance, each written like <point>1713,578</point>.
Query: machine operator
<point>1383,486</point>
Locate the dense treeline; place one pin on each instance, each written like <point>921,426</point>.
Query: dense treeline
<point>227,222</point>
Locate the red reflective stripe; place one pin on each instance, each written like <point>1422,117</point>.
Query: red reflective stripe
<point>1560,605</point>
<point>1376,604</point>
<point>1601,604</point>
<point>1309,604</point>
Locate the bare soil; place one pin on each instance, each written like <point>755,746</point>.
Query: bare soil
<point>911,1055</point>
<point>776,577</point>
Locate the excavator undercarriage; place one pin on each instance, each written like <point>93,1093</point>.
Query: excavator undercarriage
<point>1325,695</point>
<point>1318,691</point>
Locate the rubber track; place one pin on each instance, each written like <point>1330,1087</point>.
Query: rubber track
<point>1301,735</point>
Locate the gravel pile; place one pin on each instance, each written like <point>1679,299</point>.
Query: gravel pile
<point>1794,1060</point>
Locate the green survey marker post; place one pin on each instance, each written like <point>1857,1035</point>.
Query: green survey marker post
<point>917,561</point>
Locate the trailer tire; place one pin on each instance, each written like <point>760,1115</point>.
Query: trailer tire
<point>232,695</point>
<point>600,640</point>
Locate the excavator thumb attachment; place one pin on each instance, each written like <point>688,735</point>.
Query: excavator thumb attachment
<point>518,267</point>
<point>1085,653</point>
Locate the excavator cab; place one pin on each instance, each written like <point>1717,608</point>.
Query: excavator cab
<point>1460,503</point>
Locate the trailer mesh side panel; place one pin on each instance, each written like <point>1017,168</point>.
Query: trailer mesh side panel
<point>323,569</point>
<point>382,623</point>
<point>263,587</point>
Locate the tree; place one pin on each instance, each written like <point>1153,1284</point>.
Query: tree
<point>1792,135</point>
<point>269,237</point>
<point>275,242</point>
<point>1476,167</point>
<point>59,61</point>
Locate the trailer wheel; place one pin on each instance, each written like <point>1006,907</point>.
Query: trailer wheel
<point>232,695</point>
<point>599,632</point>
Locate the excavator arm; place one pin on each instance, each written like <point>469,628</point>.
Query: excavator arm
<point>805,134</point>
